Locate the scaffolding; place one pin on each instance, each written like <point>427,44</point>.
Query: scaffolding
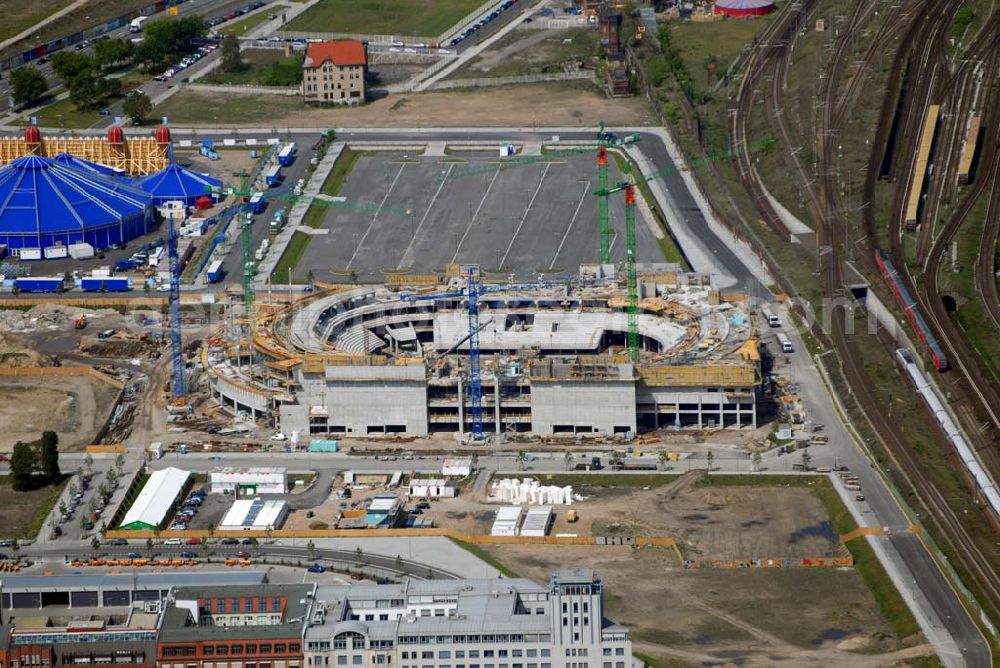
<point>136,156</point>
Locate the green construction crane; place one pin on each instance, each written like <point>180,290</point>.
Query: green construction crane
<point>632,282</point>
<point>606,140</point>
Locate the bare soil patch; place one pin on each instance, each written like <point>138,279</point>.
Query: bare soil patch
<point>714,617</point>
<point>74,407</point>
<point>566,104</point>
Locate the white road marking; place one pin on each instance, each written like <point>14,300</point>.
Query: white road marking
<point>375,217</point>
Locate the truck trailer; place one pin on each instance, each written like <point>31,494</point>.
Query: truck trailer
<point>105,284</point>
<point>39,284</point>
<point>215,272</point>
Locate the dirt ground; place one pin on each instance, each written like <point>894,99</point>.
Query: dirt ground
<point>708,523</point>
<point>231,161</point>
<point>566,104</point>
<point>794,617</point>
<point>74,407</point>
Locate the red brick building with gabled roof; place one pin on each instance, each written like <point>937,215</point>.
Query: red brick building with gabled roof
<point>334,72</point>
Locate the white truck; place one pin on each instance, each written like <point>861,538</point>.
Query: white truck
<point>137,23</point>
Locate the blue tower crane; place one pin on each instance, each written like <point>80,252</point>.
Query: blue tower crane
<point>176,344</point>
<point>475,379</point>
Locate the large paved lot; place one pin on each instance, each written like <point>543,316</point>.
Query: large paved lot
<point>423,213</point>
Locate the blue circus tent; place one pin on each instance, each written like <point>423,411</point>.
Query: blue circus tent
<point>177,183</point>
<point>88,166</point>
<point>45,202</point>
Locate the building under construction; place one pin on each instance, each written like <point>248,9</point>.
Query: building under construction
<point>549,358</point>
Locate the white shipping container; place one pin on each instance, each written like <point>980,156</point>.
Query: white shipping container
<point>31,254</point>
<point>55,252</point>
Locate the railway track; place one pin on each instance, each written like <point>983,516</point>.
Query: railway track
<point>928,28</point>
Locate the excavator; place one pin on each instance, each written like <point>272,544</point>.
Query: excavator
<point>80,322</point>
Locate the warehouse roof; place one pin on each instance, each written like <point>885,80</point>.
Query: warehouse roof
<point>155,499</point>
<point>253,513</point>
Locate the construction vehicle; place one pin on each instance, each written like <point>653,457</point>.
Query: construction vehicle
<point>80,322</point>
<point>595,464</point>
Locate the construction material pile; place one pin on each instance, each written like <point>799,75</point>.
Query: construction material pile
<point>529,491</point>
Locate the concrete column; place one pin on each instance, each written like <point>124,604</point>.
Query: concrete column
<point>722,402</point>
<point>701,420</point>
<point>656,415</point>
<point>461,407</point>
<point>496,395</point>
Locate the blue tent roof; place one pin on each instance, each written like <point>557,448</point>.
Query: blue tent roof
<point>87,165</point>
<point>44,196</point>
<point>177,183</point>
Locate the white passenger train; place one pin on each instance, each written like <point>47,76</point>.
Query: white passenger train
<point>979,474</point>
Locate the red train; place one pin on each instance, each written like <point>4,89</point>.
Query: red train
<point>909,307</point>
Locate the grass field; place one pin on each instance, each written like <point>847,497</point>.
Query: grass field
<point>290,258</point>
<point>25,512</point>
<point>64,114</point>
<point>251,22</point>
<point>259,65</point>
<point>429,18</point>
<point>227,108</point>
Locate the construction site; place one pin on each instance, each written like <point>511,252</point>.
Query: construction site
<point>595,355</point>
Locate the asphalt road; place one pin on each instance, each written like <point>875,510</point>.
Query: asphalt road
<point>276,551</point>
<point>205,8</point>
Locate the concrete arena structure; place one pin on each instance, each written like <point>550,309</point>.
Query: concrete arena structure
<point>391,359</point>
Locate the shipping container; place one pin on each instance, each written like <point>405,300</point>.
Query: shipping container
<point>56,253</point>
<point>273,176</point>
<point>215,271</point>
<point>105,284</point>
<point>287,154</point>
<point>258,203</point>
<point>320,445</point>
<point>29,254</point>
<point>125,265</point>
<point>39,284</point>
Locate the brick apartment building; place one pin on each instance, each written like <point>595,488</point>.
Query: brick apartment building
<point>334,72</point>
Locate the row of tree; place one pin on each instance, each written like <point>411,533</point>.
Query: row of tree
<point>85,75</point>
<point>36,463</point>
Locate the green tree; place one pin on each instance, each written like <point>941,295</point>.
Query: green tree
<point>137,106</point>
<point>710,457</point>
<point>521,459</point>
<point>756,459</point>
<point>170,37</point>
<point>232,61</point>
<point>113,51</point>
<point>88,462</point>
<point>22,466</point>
<point>27,85</point>
<point>568,460</point>
<point>70,65</point>
<point>95,543</point>
<point>806,459</point>
<point>50,457</point>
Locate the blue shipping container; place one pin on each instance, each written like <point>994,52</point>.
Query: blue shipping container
<point>39,284</point>
<point>105,283</point>
<point>320,445</point>
<point>215,271</point>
